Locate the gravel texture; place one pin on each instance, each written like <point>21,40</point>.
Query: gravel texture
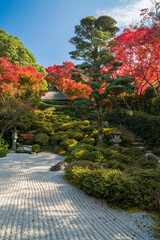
<point>38,204</point>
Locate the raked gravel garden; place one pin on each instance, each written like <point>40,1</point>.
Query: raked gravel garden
<point>38,204</point>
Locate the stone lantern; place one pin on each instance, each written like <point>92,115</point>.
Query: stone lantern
<point>116,139</point>
<point>106,124</point>
<point>14,138</point>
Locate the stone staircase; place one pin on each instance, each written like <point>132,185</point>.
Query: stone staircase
<point>136,141</point>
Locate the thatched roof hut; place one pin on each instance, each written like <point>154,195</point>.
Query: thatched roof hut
<point>55,94</point>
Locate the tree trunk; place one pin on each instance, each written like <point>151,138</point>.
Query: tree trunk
<point>1,135</point>
<point>100,125</point>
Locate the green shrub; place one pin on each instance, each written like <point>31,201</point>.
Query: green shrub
<point>69,134</point>
<point>120,166</point>
<point>94,134</point>
<point>118,188</point>
<point>36,148</point>
<point>62,108</point>
<point>78,154</point>
<point>67,112</point>
<point>109,151</point>
<point>74,134</point>
<point>65,144</point>
<point>145,182</point>
<point>88,140</point>
<point>57,149</point>
<point>3,152</point>
<point>42,139</point>
<point>97,156</point>
<point>88,147</point>
<point>67,126</point>
<point>3,148</point>
<point>101,147</point>
<point>49,112</point>
<point>78,135</point>
<point>3,144</point>
<point>87,129</point>
<point>79,99</point>
<point>131,157</point>
<point>109,184</point>
<point>144,125</point>
<point>120,158</point>
<point>111,163</point>
<point>82,108</point>
<point>83,164</point>
<point>57,138</point>
<point>53,102</point>
<point>86,122</point>
<point>133,152</point>
<point>43,105</point>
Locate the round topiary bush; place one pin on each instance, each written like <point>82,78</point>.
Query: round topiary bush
<point>57,149</point>
<point>78,154</point>
<point>65,144</point>
<point>78,135</point>
<point>42,139</point>
<point>90,148</point>
<point>57,138</point>
<point>36,148</point>
<point>88,140</point>
<point>97,156</point>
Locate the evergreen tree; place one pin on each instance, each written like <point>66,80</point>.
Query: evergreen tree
<point>12,48</point>
<point>92,40</point>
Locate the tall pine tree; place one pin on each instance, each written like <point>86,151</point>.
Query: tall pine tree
<point>92,40</point>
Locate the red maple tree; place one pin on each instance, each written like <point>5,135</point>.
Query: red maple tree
<point>138,48</point>
<point>18,81</point>
<point>61,76</point>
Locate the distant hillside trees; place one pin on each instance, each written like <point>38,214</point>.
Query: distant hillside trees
<point>12,48</point>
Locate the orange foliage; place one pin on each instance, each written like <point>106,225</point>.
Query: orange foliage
<point>61,75</point>
<point>18,80</point>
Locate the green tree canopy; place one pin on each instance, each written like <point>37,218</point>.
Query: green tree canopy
<point>92,41</point>
<point>12,48</point>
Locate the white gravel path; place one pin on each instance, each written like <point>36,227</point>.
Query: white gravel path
<point>38,204</point>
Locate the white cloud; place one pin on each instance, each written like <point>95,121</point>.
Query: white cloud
<point>126,13</point>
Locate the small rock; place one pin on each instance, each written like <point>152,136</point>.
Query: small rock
<point>151,156</point>
<point>24,149</point>
<point>59,166</point>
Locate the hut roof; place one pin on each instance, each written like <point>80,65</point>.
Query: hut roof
<point>55,94</point>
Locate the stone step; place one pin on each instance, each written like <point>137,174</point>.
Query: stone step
<point>136,140</point>
<point>137,143</point>
<point>140,147</point>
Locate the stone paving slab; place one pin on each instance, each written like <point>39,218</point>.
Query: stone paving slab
<point>36,204</point>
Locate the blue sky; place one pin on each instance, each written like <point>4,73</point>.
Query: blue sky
<point>45,26</point>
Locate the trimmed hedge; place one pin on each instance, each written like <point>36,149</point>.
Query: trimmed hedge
<point>119,188</point>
